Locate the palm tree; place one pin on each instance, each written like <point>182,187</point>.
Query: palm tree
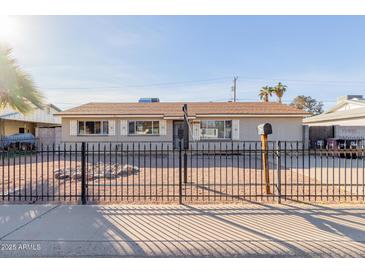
<point>17,89</point>
<point>279,91</point>
<point>265,92</point>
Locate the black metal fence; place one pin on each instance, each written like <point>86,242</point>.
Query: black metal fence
<point>156,172</point>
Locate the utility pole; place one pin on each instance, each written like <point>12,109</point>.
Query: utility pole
<point>234,89</point>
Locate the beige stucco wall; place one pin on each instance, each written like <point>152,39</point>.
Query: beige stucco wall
<point>289,129</point>
<point>9,127</point>
<point>284,129</point>
<point>113,138</point>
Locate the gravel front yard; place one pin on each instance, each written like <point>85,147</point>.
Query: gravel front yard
<point>209,178</point>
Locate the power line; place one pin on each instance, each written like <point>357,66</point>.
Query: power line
<point>304,80</point>
<point>221,79</point>
<point>208,100</point>
<point>209,81</point>
<point>213,80</point>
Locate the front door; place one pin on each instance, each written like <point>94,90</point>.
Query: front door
<point>178,125</point>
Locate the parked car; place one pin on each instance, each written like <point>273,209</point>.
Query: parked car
<point>19,141</point>
<point>344,148</point>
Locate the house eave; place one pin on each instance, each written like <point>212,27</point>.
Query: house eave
<point>251,115</point>
<point>109,115</point>
<point>332,119</point>
<point>181,117</point>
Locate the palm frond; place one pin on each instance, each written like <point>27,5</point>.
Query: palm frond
<point>17,89</point>
<point>279,91</point>
<point>265,92</point>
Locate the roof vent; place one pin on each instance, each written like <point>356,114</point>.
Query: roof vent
<point>148,100</point>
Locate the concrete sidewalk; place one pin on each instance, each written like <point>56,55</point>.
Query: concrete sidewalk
<point>245,230</point>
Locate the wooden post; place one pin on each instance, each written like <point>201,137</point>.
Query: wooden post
<point>265,162</point>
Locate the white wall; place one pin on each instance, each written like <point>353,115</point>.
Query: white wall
<point>284,129</point>
<point>112,138</point>
<point>350,132</point>
<point>45,115</point>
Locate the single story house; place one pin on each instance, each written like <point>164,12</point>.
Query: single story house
<point>161,121</point>
<point>12,121</point>
<point>346,119</point>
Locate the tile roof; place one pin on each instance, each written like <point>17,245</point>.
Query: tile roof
<point>194,108</point>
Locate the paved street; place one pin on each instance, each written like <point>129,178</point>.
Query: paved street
<point>236,230</point>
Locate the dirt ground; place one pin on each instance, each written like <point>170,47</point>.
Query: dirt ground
<point>209,178</point>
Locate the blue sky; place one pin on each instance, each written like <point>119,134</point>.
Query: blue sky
<point>78,59</point>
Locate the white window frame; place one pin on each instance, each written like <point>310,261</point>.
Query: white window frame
<point>217,138</point>
<point>142,121</point>
<point>93,134</point>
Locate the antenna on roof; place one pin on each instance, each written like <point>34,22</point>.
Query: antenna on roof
<point>234,88</point>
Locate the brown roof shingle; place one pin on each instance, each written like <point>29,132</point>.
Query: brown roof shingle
<point>194,108</point>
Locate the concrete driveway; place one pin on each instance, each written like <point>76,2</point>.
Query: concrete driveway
<point>238,230</point>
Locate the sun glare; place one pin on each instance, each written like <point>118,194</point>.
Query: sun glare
<point>8,28</point>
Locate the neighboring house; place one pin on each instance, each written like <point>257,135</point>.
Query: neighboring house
<point>12,121</point>
<point>156,122</point>
<point>344,120</point>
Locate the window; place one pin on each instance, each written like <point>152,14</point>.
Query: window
<point>93,128</point>
<point>143,127</point>
<point>211,129</point>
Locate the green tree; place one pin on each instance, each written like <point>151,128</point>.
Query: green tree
<point>279,91</point>
<point>265,92</point>
<point>17,89</point>
<point>308,104</point>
